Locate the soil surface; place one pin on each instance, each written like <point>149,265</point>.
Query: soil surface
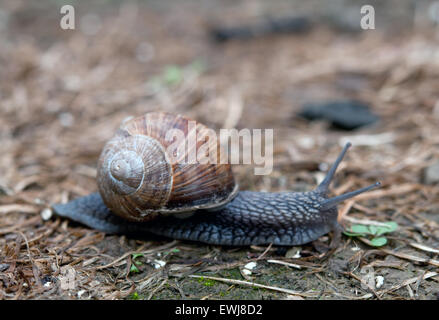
<point>63,93</point>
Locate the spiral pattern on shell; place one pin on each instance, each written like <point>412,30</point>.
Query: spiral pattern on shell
<point>138,178</point>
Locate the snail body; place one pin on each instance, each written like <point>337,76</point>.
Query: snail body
<point>142,191</point>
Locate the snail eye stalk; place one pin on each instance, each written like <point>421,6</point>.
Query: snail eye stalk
<point>328,203</point>
<point>324,185</point>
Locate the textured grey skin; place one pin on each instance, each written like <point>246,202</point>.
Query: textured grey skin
<point>251,218</point>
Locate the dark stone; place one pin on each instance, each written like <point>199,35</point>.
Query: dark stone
<point>47,279</point>
<point>269,26</point>
<point>343,114</point>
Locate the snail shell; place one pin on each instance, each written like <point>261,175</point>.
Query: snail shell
<point>138,178</point>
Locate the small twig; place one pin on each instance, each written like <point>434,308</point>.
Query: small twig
<point>285,263</point>
<point>342,215</point>
<point>365,296</point>
<point>420,278</point>
<point>157,289</point>
<point>423,247</point>
<point>327,282</point>
<point>35,269</point>
<point>257,285</point>
<point>410,257</point>
<point>28,222</point>
<point>265,252</point>
<point>366,222</point>
<point>18,208</point>
<point>407,282</point>
<point>363,208</point>
<point>409,289</point>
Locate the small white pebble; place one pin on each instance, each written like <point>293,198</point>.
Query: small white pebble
<point>80,293</point>
<point>306,142</point>
<point>48,284</point>
<point>250,265</point>
<point>379,281</point>
<point>46,214</point>
<point>355,249</point>
<point>158,264</point>
<point>246,272</point>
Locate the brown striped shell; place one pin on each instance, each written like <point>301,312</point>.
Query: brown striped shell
<point>142,172</point>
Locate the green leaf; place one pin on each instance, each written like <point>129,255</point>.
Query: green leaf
<point>390,227</point>
<point>173,75</point>
<point>136,255</point>
<point>134,269</point>
<point>360,229</point>
<point>381,230</point>
<point>378,242</point>
<point>373,230</point>
<point>351,234</point>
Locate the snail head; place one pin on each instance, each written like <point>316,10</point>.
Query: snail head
<point>322,188</point>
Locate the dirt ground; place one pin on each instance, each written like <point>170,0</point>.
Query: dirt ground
<point>63,93</point>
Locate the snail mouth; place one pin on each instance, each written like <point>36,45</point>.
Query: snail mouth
<point>126,170</point>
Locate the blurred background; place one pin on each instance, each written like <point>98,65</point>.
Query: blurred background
<point>304,68</point>
<point>228,64</point>
<point>252,64</point>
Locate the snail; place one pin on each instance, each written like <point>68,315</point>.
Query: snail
<point>141,191</point>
